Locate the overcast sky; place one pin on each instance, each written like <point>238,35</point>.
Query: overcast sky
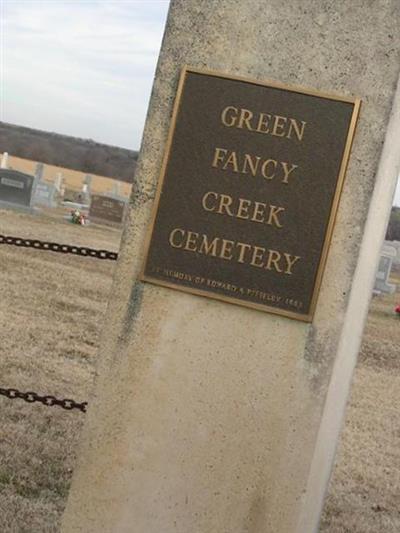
<point>81,67</point>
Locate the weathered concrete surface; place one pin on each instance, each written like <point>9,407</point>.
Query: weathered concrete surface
<point>209,417</point>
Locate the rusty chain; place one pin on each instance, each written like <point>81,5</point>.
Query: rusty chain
<point>56,247</point>
<point>47,400</point>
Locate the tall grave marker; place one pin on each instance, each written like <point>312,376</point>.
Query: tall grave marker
<point>211,416</point>
<point>39,171</point>
<point>4,160</point>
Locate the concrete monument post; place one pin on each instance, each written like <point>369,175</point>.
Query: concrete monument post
<point>116,189</point>
<point>87,186</point>
<point>4,161</point>
<point>39,171</point>
<point>238,304</point>
<point>58,181</point>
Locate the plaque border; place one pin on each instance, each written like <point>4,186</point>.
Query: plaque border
<point>332,215</point>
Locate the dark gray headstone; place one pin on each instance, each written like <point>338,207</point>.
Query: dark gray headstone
<point>106,208</point>
<point>15,188</point>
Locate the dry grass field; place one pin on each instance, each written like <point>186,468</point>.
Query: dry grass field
<point>364,492</point>
<point>51,312</point>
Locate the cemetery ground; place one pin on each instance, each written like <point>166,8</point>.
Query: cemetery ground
<point>51,312</point>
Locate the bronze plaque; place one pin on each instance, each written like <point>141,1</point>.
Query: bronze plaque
<point>106,208</point>
<point>248,192</point>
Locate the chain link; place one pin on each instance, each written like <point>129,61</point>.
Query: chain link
<point>30,396</point>
<point>48,400</point>
<point>60,248</point>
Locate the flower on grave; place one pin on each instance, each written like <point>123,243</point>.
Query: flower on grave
<point>78,218</point>
<point>397,310</point>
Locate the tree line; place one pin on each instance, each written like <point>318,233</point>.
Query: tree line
<point>84,155</point>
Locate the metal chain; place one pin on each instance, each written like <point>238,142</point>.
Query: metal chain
<point>48,400</point>
<point>56,247</point>
<point>30,396</point>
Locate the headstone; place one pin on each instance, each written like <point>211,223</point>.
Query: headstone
<point>209,416</point>
<point>382,283</point>
<point>39,171</point>
<point>106,209</point>
<point>15,189</point>
<point>86,193</point>
<point>58,182</point>
<point>86,189</point>
<point>389,248</point>
<point>116,189</point>
<point>72,195</point>
<point>396,246</point>
<point>45,194</point>
<point>4,161</point>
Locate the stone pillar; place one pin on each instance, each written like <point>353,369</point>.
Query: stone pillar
<point>38,176</point>
<point>58,182</point>
<point>116,189</point>
<point>39,170</point>
<point>4,161</point>
<point>88,182</point>
<point>207,416</point>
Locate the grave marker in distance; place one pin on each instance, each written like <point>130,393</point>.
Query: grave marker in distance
<point>44,194</point>
<point>15,188</point>
<point>106,209</point>
<point>382,280</point>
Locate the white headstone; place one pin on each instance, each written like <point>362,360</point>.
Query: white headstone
<point>58,181</point>
<point>85,193</point>
<point>382,283</point>
<point>45,194</point>
<point>116,189</point>
<point>39,171</point>
<point>4,161</point>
